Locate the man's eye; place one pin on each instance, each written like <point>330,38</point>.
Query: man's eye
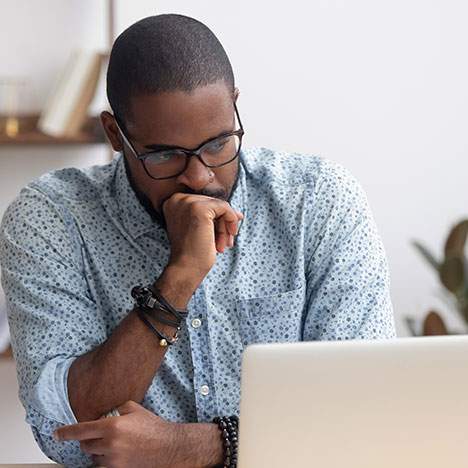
<point>160,157</point>
<point>216,146</point>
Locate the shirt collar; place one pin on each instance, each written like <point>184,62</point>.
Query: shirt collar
<point>138,221</point>
<point>238,195</point>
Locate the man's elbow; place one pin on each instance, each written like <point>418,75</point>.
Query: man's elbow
<point>65,453</point>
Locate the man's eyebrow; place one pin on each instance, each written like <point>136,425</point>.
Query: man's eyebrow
<point>160,147</point>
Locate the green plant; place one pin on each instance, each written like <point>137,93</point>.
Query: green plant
<point>453,268</point>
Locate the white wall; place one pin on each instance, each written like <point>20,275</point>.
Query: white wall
<point>35,41</point>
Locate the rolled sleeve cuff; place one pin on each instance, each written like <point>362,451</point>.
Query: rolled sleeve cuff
<point>47,406</point>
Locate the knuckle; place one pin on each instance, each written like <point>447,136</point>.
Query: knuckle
<point>176,196</point>
<point>130,404</point>
<point>126,406</point>
<point>173,200</point>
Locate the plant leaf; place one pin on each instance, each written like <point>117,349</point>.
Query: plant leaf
<point>452,274</point>
<point>434,325</point>
<point>455,244</point>
<point>411,324</point>
<point>427,255</point>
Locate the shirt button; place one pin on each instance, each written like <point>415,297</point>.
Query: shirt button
<point>196,323</point>
<point>204,390</point>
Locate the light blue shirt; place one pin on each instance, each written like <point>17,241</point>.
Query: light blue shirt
<point>308,264</point>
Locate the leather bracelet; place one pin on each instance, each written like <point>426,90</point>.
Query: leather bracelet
<point>149,300</point>
<point>180,314</point>
<point>229,427</point>
<point>153,313</point>
<point>164,340</point>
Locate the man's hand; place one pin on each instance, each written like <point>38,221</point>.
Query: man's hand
<point>198,227</point>
<point>139,438</point>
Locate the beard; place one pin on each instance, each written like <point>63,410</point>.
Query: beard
<point>157,215</point>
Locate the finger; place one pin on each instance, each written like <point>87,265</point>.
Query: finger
<point>221,242</point>
<point>94,447</point>
<point>233,228</point>
<point>222,235</point>
<point>129,407</point>
<point>225,218</point>
<point>197,198</point>
<point>218,208</point>
<point>228,238</point>
<point>228,226</point>
<point>222,209</point>
<point>82,431</point>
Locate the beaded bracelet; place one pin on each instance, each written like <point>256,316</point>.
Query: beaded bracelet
<point>229,427</point>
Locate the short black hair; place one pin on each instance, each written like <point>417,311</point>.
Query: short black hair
<point>161,53</point>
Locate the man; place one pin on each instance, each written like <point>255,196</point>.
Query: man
<point>258,246</point>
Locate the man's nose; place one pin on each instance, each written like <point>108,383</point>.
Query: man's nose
<point>196,175</point>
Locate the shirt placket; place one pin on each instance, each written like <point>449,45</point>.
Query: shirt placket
<point>203,383</point>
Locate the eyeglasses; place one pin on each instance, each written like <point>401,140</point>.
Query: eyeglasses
<point>170,162</point>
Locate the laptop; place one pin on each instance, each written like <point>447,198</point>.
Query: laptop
<point>355,404</point>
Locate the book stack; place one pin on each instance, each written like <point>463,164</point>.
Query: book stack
<point>66,110</point>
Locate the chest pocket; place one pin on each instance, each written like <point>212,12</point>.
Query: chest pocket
<point>272,319</point>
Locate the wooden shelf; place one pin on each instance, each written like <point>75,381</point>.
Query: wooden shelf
<point>92,133</point>
<point>7,354</point>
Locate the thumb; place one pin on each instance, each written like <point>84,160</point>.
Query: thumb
<point>128,407</point>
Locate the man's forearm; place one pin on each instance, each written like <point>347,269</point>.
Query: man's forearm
<point>122,368</point>
<point>119,370</point>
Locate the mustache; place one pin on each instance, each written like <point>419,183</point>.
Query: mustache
<point>220,194</point>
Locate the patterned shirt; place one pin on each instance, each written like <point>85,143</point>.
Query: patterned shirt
<point>308,264</point>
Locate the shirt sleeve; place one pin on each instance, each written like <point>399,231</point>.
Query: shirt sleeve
<point>348,286</point>
<point>51,315</point>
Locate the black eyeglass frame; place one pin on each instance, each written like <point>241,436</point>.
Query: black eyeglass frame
<point>188,152</point>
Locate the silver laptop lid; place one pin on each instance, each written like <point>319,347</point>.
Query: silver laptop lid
<point>355,404</point>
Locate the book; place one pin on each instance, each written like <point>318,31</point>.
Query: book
<point>66,109</point>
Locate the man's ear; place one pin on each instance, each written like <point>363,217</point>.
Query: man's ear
<point>110,127</point>
<point>236,94</point>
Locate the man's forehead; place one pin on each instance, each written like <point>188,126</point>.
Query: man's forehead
<point>182,118</point>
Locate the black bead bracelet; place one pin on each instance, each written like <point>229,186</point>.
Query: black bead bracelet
<point>229,427</point>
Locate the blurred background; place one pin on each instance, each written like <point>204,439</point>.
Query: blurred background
<point>380,87</point>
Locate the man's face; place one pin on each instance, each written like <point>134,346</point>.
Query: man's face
<point>184,120</point>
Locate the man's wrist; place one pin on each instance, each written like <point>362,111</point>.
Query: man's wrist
<point>204,446</point>
<point>177,285</point>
